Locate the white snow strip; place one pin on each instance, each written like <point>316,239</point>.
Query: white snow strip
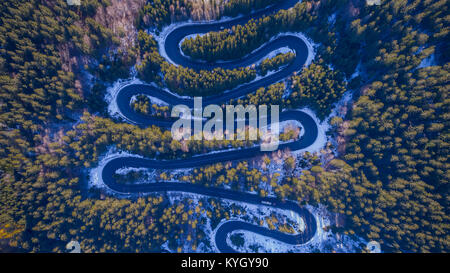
<point>321,139</point>
<point>124,171</point>
<point>357,71</point>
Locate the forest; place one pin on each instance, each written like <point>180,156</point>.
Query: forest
<point>389,175</point>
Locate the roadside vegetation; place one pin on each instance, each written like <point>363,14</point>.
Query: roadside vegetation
<point>388,175</point>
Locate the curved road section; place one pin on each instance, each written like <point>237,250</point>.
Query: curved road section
<point>173,52</point>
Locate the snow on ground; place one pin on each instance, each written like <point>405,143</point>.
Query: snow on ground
<point>175,198</point>
<point>95,178</point>
<point>124,171</point>
<point>113,90</point>
<point>309,44</point>
<point>332,19</point>
<point>324,126</point>
<point>323,241</point>
<point>165,247</point>
<point>274,53</point>
<point>345,99</point>
<point>193,36</point>
<point>112,153</point>
<point>161,38</point>
<point>153,100</point>
<point>357,71</point>
<point>292,124</point>
<point>260,212</point>
<point>325,237</point>
<point>96,181</point>
<point>133,72</point>
<point>111,94</point>
<point>321,139</point>
<point>252,213</point>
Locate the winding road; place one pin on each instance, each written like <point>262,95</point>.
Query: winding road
<point>171,47</point>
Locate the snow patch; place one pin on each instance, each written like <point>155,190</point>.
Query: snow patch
<point>429,61</point>
<point>324,239</point>
<point>161,38</point>
<point>274,53</point>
